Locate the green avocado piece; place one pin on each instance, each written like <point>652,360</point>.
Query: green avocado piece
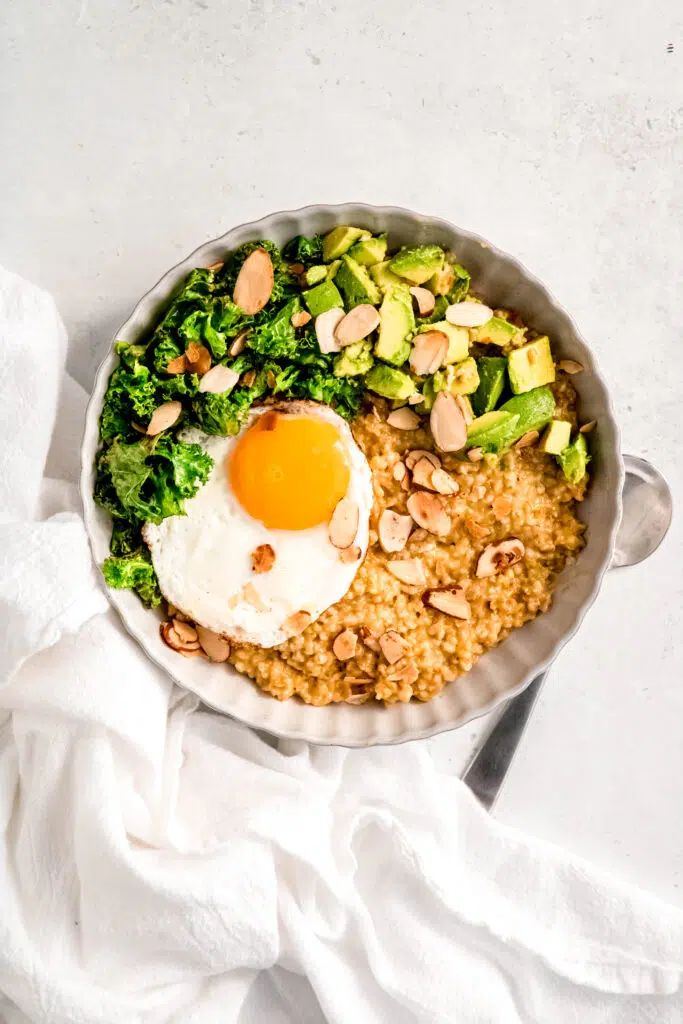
<point>534,408</point>
<point>492,377</point>
<point>323,297</point>
<point>314,275</point>
<point>332,269</point>
<point>495,331</point>
<point>417,263</point>
<point>491,430</point>
<point>442,281</point>
<point>461,378</point>
<point>340,240</point>
<point>370,251</point>
<point>458,339</point>
<point>386,279</point>
<point>531,366</point>
<point>389,383</point>
<point>556,437</point>
<point>396,327</point>
<point>354,360</point>
<point>574,459</point>
<point>356,284</point>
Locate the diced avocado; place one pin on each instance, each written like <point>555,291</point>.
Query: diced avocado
<point>430,388</point>
<point>340,240</point>
<point>534,408</point>
<point>332,269</point>
<point>491,430</point>
<point>323,297</point>
<point>385,279</point>
<point>356,284</point>
<point>492,376</point>
<point>495,331</point>
<point>461,378</point>
<point>531,366</point>
<point>314,275</point>
<point>574,459</point>
<point>461,284</point>
<point>396,327</point>
<point>369,251</point>
<point>390,383</point>
<point>417,263</point>
<point>458,339</point>
<point>354,360</point>
<point>556,437</point>
<point>442,281</point>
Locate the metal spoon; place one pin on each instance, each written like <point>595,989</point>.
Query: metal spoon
<point>645,520</point>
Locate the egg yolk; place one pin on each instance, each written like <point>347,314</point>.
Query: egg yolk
<point>289,471</point>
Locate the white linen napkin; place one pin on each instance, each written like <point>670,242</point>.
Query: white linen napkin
<point>161,863</point>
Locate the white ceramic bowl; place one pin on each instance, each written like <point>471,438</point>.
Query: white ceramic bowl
<point>505,670</point>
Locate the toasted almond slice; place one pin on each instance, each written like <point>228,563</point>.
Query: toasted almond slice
<point>218,380</point>
<point>498,557</point>
<point>248,378</point>
<point>428,512</point>
<point>443,482</point>
<point>301,318</point>
<point>447,423</point>
<point>475,454</point>
<point>198,358</point>
<point>408,570</point>
<point>344,646</point>
<point>570,366</point>
<point>359,698</point>
<point>215,267</point>
<point>415,398</point>
<point>238,344</point>
<point>424,300</point>
<point>526,440</point>
<point>216,647</point>
<point>297,622</point>
<point>164,417</point>
<point>369,638</point>
<point>451,600</point>
<point>403,419</point>
<point>468,314</point>
<point>465,408</point>
<point>251,595</point>
<point>172,638</point>
<point>270,379</point>
<point>349,555</point>
<point>428,352</point>
<point>417,536</point>
<point>399,471</point>
<point>191,652</point>
<point>254,284</point>
<point>406,673</point>
<point>140,429</point>
<point>263,558</point>
<point>344,523</point>
<point>412,458</point>
<point>325,326</point>
<point>405,482</point>
<point>186,632</point>
<point>502,506</point>
<point>177,365</point>
<point>360,680</point>
<point>476,529</point>
<point>356,325</point>
<point>588,428</point>
<point>393,530</point>
<point>422,474</point>
<point>392,645</point>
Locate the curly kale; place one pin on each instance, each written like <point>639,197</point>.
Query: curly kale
<point>285,283</point>
<point>134,571</point>
<point>306,251</point>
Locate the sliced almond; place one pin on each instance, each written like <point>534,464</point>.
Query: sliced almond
<point>468,314</point>
<point>412,458</point>
<point>403,419</point>
<point>325,326</point>
<point>347,556</point>
<point>251,595</point>
<point>191,652</point>
<point>570,366</point>
<point>370,639</point>
<point>428,352</point>
<point>263,558</point>
<point>344,523</point>
<point>356,325</point>
<point>408,570</point>
<point>406,673</point>
<point>173,639</point>
<point>186,632</point>
<point>215,267</point>
<point>140,429</point>
<point>447,423</point>
<point>405,482</point>
<point>475,454</point>
<point>450,600</point>
<point>216,647</point>
<point>415,398</point>
<point>254,284</point>
<point>498,557</point>
<point>297,622</point>
<point>248,378</point>
<point>218,380</point>
<point>476,529</point>
<point>428,512</point>
<point>177,365</point>
<point>164,417</point>
<point>359,698</point>
<point>394,530</point>
<point>443,482</point>
<point>417,536</point>
<point>344,646</point>
<point>422,474</point>
<point>399,471</point>
<point>526,440</point>
<point>392,645</point>
<point>301,318</point>
<point>424,300</point>
<point>198,358</point>
<point>502,506</point>
<point>588,428</point>
<point>238,344</point>
<point>465,407</point>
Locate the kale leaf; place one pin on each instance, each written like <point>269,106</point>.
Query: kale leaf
<point>344,394</point>
<point>307,251</point>
<point>134,571</point>
<point>277,337</point>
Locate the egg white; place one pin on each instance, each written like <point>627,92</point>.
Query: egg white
<point>203,559</point>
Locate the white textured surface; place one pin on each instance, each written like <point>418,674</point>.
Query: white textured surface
<point>133,132</point>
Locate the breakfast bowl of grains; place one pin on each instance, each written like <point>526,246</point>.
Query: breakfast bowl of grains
<point>351,475</point>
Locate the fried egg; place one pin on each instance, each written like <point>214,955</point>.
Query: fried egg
<point>276,483</point>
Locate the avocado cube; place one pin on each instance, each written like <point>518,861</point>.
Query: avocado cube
<point>556,437</point>
<point>574,459</point>
<point>495,331</point>
<point>417,263</point>
<point>385,278</point>
<point>356,284</point>
<point>389,383</point>
<point>531,366</point>
<point>369,251</point>
<point>332,269</point>
<point>430,388</point>
<point>442,281</point>
<point>492,377</point>
<point>462,378</point>
<point>458,339</point>
<point>323,297</point>
<point>491,430</point>
<point>396,327</point>
<point>339,240</point>
<point>534,409</point>
<point>314,275</point>
<point>354,360</point>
